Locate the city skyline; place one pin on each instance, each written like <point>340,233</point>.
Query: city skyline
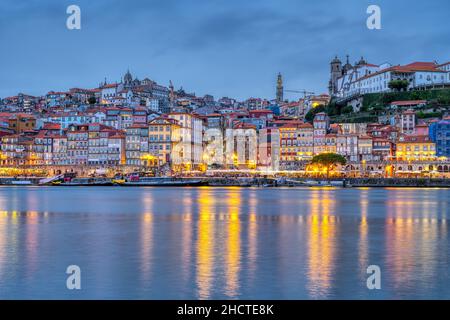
<point>252,44</point>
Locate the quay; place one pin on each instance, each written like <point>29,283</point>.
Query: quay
<point>263,182</point>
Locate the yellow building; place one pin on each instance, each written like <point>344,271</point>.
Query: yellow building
<point>22,122</point>
<point>164,134</point>
<point>288,143</point>
<point>305,141</point>
<point>415,148</point>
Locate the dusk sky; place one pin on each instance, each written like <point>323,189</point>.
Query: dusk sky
<point>229,48</point>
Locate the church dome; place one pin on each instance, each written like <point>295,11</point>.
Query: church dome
<point>362,62</point>
<point>336,60</point>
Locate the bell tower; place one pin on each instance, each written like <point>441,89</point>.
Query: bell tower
<point>335,73</point>
<point>279,88</point>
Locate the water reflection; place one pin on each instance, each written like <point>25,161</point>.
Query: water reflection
<point>31,241</point>
<point>146,246</point>
<point>252,236</point>
<point>205,243</point>
<point>412,246</point>
<point>363,247</point>
<point>228,243</point>
<point>3,240</point>
<point>233,260</point>
<point>321,242</point>
<point>186,235</point>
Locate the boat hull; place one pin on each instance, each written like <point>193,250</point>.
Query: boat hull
<point>164,184</point>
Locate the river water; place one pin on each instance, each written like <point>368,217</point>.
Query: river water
<point>223,243</point>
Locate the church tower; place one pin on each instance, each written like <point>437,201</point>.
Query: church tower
<point>128,79</point>
<point>279,88</point>
<point>335,73</point>
<point>171,96</point>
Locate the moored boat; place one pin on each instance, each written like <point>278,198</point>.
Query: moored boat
<point>86,182</point>
<point>164,183</point>
<point>21,182</point>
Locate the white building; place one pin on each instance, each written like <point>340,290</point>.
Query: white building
<point>347,146</point>
<point>363,78</point>
<point>241,146</point>
<point>269,148</point>
<point>109,92</point>
<point>189,151</point>
<point>213,148</point>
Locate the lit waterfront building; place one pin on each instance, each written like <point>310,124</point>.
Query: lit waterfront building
<point>288,145</point>
<point>136,145</point>
<point>269,148</point>
<point>213,151</point>
<point>330,143</point>
<point>189,152</point>
<point>59,150</point>
<point>77,144</point>
<point>241,146</point>
<point>102,149</point>
<point>164,135</point>
<point>305,141</point>
<point>321,123</point>
<point>365,148</point>
<point>116,148</point>
<point>382,149</point>
<point>14,150</point>
<point>347,146</point>
<point>415,148</point>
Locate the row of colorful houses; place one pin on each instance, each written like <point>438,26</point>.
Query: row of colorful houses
<point>186,141</point>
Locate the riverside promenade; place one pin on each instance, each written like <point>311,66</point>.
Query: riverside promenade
<point>260,182</point>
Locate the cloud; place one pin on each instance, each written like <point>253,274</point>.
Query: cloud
<point>232,47</point>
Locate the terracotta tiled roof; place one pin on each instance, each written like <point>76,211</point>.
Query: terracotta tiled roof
<point>408,102</point>
<point>414,139</point>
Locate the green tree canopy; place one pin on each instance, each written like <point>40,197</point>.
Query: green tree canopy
<point>328,161</point>
<point>347,109</point>
<point>398,85</point>
<point>311,113</point>
<point>91,100</point>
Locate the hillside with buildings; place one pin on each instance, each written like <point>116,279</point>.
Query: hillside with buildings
<point>135,125</point>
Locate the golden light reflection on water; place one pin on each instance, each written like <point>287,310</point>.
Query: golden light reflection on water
<point>205,243</point>
<point>218,248</point>
<point>146,241</point>
<point>210,243</point>
<point>363,247</point>
<point>186,235</point>
<point>412,231</point>
<point>233,261</point>
<point>252,236</point>
<point>3,239</point>
<point>32,241</point>
<point>321,242</point>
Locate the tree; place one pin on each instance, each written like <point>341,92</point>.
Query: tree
<point>347,109</point>
<point>91,100</point>
<point>398,85</point>
<point>328,160</point>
